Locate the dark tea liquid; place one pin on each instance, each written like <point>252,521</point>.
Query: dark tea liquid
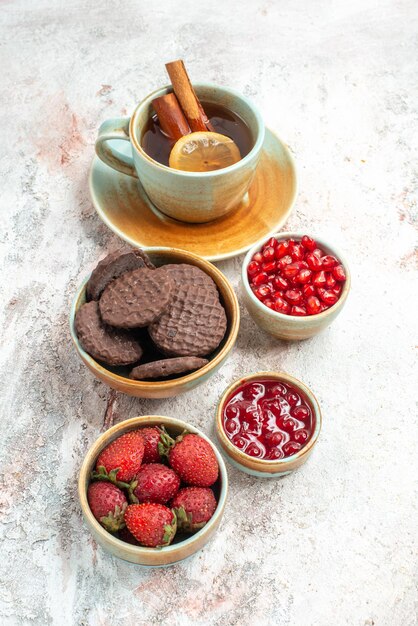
<point>158,146</point>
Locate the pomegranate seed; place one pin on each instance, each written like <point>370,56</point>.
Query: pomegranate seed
<point>337,289</point>
<point>272,242</point>
<point>285,260</point>
<point>269,267</point>
<point>328,297</point>
<point>300,436</point>
<point>268,253</point>
<point>297,252</point>
<point>290,270</point>
<point>339,273</point>
<point>291,447</point>
<point>281,306</point>
<point>313,305</point>
<point>282,249</point>
<point>280,283</point>
<point>319,279</point>
<point>260,278</point>
<point>268,302</point>
<point>277,294</point>
<point>331,282</point>
<point>318,253</point>
<point>258,257</point>
<point>253,268</point>
<point>300,311</point>
<point>292,244</point>
<point>313,262</point>
<point>294,296</point>
<point>308,290</point>
<point>328,262</point>
<point>262,292</point>
<point>324,307</point>
<point>308,243</point>
<point>303,276</point>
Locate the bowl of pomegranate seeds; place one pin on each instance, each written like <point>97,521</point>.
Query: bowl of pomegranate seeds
<point>152,490</point>
<point>268,423</point>
<point>294,286</point>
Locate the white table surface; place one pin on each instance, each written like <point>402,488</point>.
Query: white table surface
<point>335,543</point>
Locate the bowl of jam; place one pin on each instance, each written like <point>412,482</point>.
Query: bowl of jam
<point>268,423</point>
<point>294,285</point>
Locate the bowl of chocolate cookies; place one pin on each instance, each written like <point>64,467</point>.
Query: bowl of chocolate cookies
<point>154,324</point>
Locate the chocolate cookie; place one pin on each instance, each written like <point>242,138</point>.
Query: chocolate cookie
<point>193,325</point>
<point>136,298</point>
<point>185,274</point>
<point>113,266</point>
<point>167,367</point>
<point>112,346</point>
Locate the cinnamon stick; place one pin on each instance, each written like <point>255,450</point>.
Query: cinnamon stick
<point>170,116</point>
<point>187,97</point>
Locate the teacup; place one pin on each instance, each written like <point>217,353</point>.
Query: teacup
<point>194,197</point>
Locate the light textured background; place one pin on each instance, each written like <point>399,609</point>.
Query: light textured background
<point>335,543</point>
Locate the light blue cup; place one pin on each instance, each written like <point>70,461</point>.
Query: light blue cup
<point>187,196</point>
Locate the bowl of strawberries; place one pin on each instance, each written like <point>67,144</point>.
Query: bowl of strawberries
<point>152,490</point>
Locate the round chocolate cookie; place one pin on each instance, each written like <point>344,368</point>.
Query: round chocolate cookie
<point>113,266</point>
<point>193,325</point>
<point>112,346</point>
<point>136,298</point>
<point>185,274</point>
<point>167,367</point>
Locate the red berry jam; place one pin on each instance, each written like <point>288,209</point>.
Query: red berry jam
<point>268,419</point>
<point>296,277</point>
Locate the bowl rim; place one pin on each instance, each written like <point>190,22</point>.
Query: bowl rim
<point>107,437</point>
<point>295,319</point>
<point>165,385</point>
<point>256,148</point>
<point>262,465</point>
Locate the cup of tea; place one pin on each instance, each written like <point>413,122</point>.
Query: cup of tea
<point>189,196</point>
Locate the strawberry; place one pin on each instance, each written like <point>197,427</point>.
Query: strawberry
<point>192,457</point>
<point>107,503</point>
<point>154,483</point>
<point>193,506</point>
<point>151,437</point>
<point>127,537</point>
<point>120,461</point>
<point>151,524</point>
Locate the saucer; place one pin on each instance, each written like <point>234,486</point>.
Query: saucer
<point>122,204</point>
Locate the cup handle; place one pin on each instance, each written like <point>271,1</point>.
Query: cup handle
<point>116,128</point>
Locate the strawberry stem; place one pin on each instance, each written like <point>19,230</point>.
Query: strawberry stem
<point>109,477</point>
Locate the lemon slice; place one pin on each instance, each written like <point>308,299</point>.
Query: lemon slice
<point>203,152</point>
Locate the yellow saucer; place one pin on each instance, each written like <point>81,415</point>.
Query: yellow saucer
<point>123,205</point>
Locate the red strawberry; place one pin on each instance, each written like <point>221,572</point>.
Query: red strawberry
<point>127,537</point>
<point>124,455</point>
<point>192,457</point>
<point>154,483</point>
<point>151,437</point>
<point>151,524</point>
<point>193,506</point>
<point>107,503</point>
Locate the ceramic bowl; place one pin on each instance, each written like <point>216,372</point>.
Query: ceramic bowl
<point>260,467</point>
<point>138,554</point>
<point>291,327</point>
<point>117,378</point>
